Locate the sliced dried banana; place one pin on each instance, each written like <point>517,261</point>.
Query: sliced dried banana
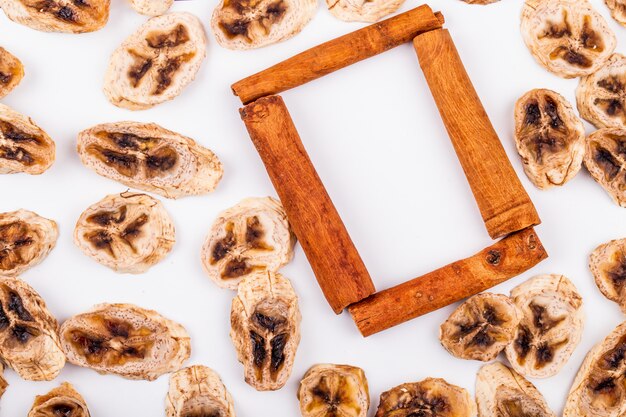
<point>608,266</point>
<point>71,16</point>
<point>25,240</point>
<point>362,10</point>
<point>3,382</point>
<point>251,236</point>
<point>63,401</point>
<point>24,147</point>
<point>29,343</point>
<point>567,37</point>
<point>549,137</point>
<point>151,7</point>
<point>605,159</point>
<point>125,340</point>
<point>128,233</point>
<point>334,390</point>
<point>151,158</point>
<point>502,392</point>
<point>11,72</point>
<point>245,24</point>
<point>431,397</point>
<point>618,10</point>
<point>481,327</point>
<point>481,2</point>
<point>198,391</point>
<point>265,329</point>
<point>551,326</point>
<point>155,64</point>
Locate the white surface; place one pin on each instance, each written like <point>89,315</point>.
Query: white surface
<point>377,141</point>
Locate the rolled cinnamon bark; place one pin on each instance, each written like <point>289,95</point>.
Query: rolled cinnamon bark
<point>504,204</point>
<point>338,53</point>
<point>335,260</point>
<point>499,262</point>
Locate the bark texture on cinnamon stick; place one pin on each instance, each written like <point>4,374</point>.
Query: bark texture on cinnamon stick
<point>504,204</point>
<point>503,260</point>
<point>338,53</point>
<point>335,260</point>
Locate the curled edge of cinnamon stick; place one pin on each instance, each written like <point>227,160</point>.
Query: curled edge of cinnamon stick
<point>493,265</point>
<point>338,53</point>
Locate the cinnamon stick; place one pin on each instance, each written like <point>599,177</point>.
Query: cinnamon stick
<point>335,260</point>
<point>499,262</point>
<point>504,204</point>
<point>338,53</point>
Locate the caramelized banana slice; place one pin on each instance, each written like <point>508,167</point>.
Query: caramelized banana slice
<point>11,72</point>
<point>198,391</point>
<point>567,37</point>
<point>605,159</point>
<point>502,392</point>
<point>618,10</point>
<point>608,266</point>
<point>481,327</point>
<point>334,390</point>
<point>362,10</point>
<point>71,16</point>
<point>63,401</point>
<point>549,137</point>
<point>265,329</point>
<point>252,236</point>
<point>551,326</point>
<point>151,7</point>
<point>125,340</point>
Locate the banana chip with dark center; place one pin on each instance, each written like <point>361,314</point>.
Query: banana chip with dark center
<point>608,265</point>
<point>605,159</point>
<point>71,16</point>
<point>11,72</point>
<point>63,401</point>
<point>618,10</point>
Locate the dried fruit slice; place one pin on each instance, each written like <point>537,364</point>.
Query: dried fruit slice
<point>251,236</point>
<point>125,340</point>
<point>502,392</point>
<point>551,326</point>
<point>25,240</point>
<point>157,62</point>
<point>3,382</point>
<point>63,401</point>
<point>481,327</point>
<point>126,232</point>
<point>481,2</point>
<point>567,37</point>
<point>618,10</point>
<point>362,10</point>
<point>243,24</point>
<point>265,329</point>
<point>24,147</point>
<point>71,16</point>
<point>605,159</point>
<point>29,343</point>
<point>334,390</point>
<point>430,397</point>
<point>149,157</point>
<point>198,391</point>
<point>151,7</point>
<point>608,266</point>
<point>11,72</point>
<point>549,137</point>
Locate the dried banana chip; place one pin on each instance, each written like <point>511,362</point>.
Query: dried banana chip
<point>151,7</point>
<point>25,240</point>
<point>155,64</point>
<point>11,72</point>
<point>334,390</point>
<point>608,266</point>
<point>549,137</point>
<point>244,24</point>
<point>482,2</point>
<point>265,329</point>
<point>125,340</point>
<point>71,16</point>
<point>430,397</point>
<point>605,159</point>
<point>3,382</point>
<point>29,343</point>
<point>481,327</point>
<point>502,392</point>
<point>198,391</point>
<point>150,158</point>
<point>127,232</point>
<point>567,37</point>
<point>362,10</point>
<point>618,10</point>
<point>24,147</point>
<point>252,236</point>
<point>63,401</point>
<point>551,326</point>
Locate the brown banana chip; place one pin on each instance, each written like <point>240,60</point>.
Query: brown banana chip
<point>567,37</point>
<point>151,7</point>
<point>362,10</point>
<point>127,232</point>
<point>605,159</point>
<point>549,137</point>
<point>125,340</point>
<point>29,343</point>
<point>63,401</point>
<point>198,391</point>
<point>608,266</point>
<point>24,147</point>
<point>3,382</point>
<point>71,16</point>
<point>11,72</point>
<point>265,329</point>
<point>155,64</point>
<point>151,158</point>
<point>618,10</point>
<point>334,390</point>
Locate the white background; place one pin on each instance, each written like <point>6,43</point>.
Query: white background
<point>377,141</point>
